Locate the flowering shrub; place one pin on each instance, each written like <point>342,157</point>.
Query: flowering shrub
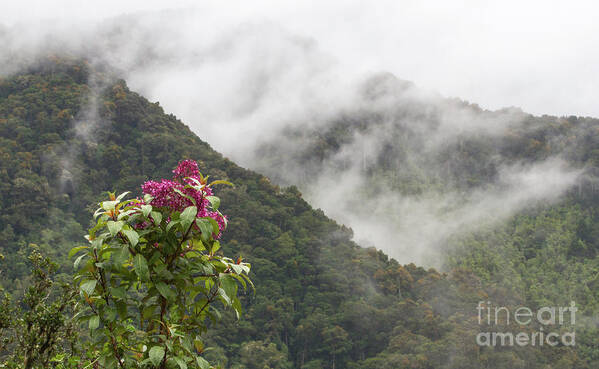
<point>151,273</point>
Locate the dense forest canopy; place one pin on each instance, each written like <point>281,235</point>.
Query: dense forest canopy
<point>70,132</point>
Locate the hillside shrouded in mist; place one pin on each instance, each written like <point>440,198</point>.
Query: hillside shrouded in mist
<point>321,300</point>
<point>268,98</point>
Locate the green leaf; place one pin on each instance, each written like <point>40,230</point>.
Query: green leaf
<point>126,213</point>
<point>115,227</point>
<point>109,205</point>
<point>229,285</point>
<point>237,268</point>
<point>109,314</point>
<point>141,267</point>
<point>120,197</point>
<point>146,209</point>
<point>205,228</point>
<point>199,345</point>
<point>187,216</point>
<point>88,286</point>
<point>165,291</point>
<point>237,307</point>
<point>75,250</point>
<point>193,201</point>
<point>121,256</point>
<point>132,236</point>
<point>214,224</point>
<point>78,261</point>
<point>202,363</point>
<point>198,245</point>
<point>198,184</point>
<point>118,292</point>
<point>94,322</point>
<point>157,217</point>
<point>171,224</point>
<point>148,311</point>
<point>238,277</point>
<point>214,202</point>
<point>98,212</point>
<point>121,308</point>
<point>92,232</point>
<point>156,354</point>
<point>220,181</point>
<point>181,363</point>
<point>58,358</point>
<point>225,297</point>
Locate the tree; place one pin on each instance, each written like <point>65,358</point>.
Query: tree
<point>152,272</point>
<point>337,341</point>
<point>263,355</point>
<point>40,325</point>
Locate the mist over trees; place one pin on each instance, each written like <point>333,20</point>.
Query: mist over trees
<point>383,221</point>
<point>70,132</point>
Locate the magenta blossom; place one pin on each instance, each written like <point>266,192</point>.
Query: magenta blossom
<point>165,193</point>
<point>187,168</point>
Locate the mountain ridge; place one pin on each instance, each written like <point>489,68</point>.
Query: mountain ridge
<point>331,303</point>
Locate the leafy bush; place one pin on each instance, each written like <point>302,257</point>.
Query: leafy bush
<point>152,272</point>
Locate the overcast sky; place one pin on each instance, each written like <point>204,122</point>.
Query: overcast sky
<point>542,56</point>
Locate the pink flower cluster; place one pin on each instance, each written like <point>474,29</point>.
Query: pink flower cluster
<point>187,168</point>
<point>165,196</point>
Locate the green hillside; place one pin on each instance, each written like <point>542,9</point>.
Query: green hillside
<point>69,132</point>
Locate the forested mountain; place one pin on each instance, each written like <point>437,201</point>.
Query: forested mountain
<point>69,132</point>
<point>460,168</point>
<point>440,165</point>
